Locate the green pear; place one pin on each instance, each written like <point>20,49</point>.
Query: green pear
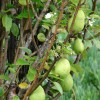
<point>62,67</point>
<point>78,46</point>
<point>79,22</point>
<point>67,83</point>
<point>38,94</point>
<point>41,37</point>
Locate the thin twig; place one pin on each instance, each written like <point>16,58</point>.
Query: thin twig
<point>21,32</point>
<point>5,50</point>
<point>94,5</point>
<point>77,59</point>
<point>45,58</point>
<point>34,12</point>
<point>57,96</point>
<point>73,21</point>
<point>30,25</point>
<point>53,38</point>
<point>74,95</point>
<point>40,17</point>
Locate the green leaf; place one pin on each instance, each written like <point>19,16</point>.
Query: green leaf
<point>1,91</point>
<point>46,26</point>
<point>22,2</point>
<point>94,16</point>
<point>61,36</point>
<point>12,70</point>
<point>58,87</point>
<point>4,77</point>
<point>76,1</point>
<point>16,98</point>
<point>96,43</point>
<point>28,51</point>
<point>14,29</point>
<point>36,0</point>
<point>22,62</point>
<point>75,71</point>
<point>7,22</point>
<point>78,68</point>
<point>31,74</point>
<point>24,14</point>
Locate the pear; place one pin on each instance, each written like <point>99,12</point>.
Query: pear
<point>78,46</point>
<point>41,37</point>
<point>67,83</point>
<point>62,67</point>
<point>79,22</point>
<point>38,94</point>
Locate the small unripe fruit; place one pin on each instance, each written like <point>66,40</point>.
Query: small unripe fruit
<point>41,37</point>
<point>78,46</point>
<point>38,94</point>
<point>79,22</point>
<point>67,83</point>
<point>62,67</point>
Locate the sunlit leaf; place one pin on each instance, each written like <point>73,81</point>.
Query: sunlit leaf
<point>22,62</point>
<point>15,98</point>
<point>58,87</point>
<point>31,74</point>
<point>28,51</point>
<point>22,2</point>
<point>46,26</point>
<point>23,85</point>
<point>12,70</point>
<point>7,22</point>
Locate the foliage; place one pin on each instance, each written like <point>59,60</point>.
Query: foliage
<point>35,35</point>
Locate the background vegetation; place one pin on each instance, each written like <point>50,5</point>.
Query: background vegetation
<point>34,35</point>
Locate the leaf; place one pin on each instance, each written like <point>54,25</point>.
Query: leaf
<point>7,22</point>
<point>23,85</point>
<point>12,70</point>
<point>58,86</point>
<point>46,26</point>
<point>22,2</point>
<point>61,37</point>
<point>96,43</point>
<point>75,71</point>
<point>4,77</point>
<point>28,51</point>
<point>94,16</point>
<point>78,68</point>
<point>22,62</point>
<point>76,1</point>
<point>24,14</point>
<point>1,91</point>
<point>14,29</point>
<point>36,0</point>
<point>31,74</point>
<point>15,98</point>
